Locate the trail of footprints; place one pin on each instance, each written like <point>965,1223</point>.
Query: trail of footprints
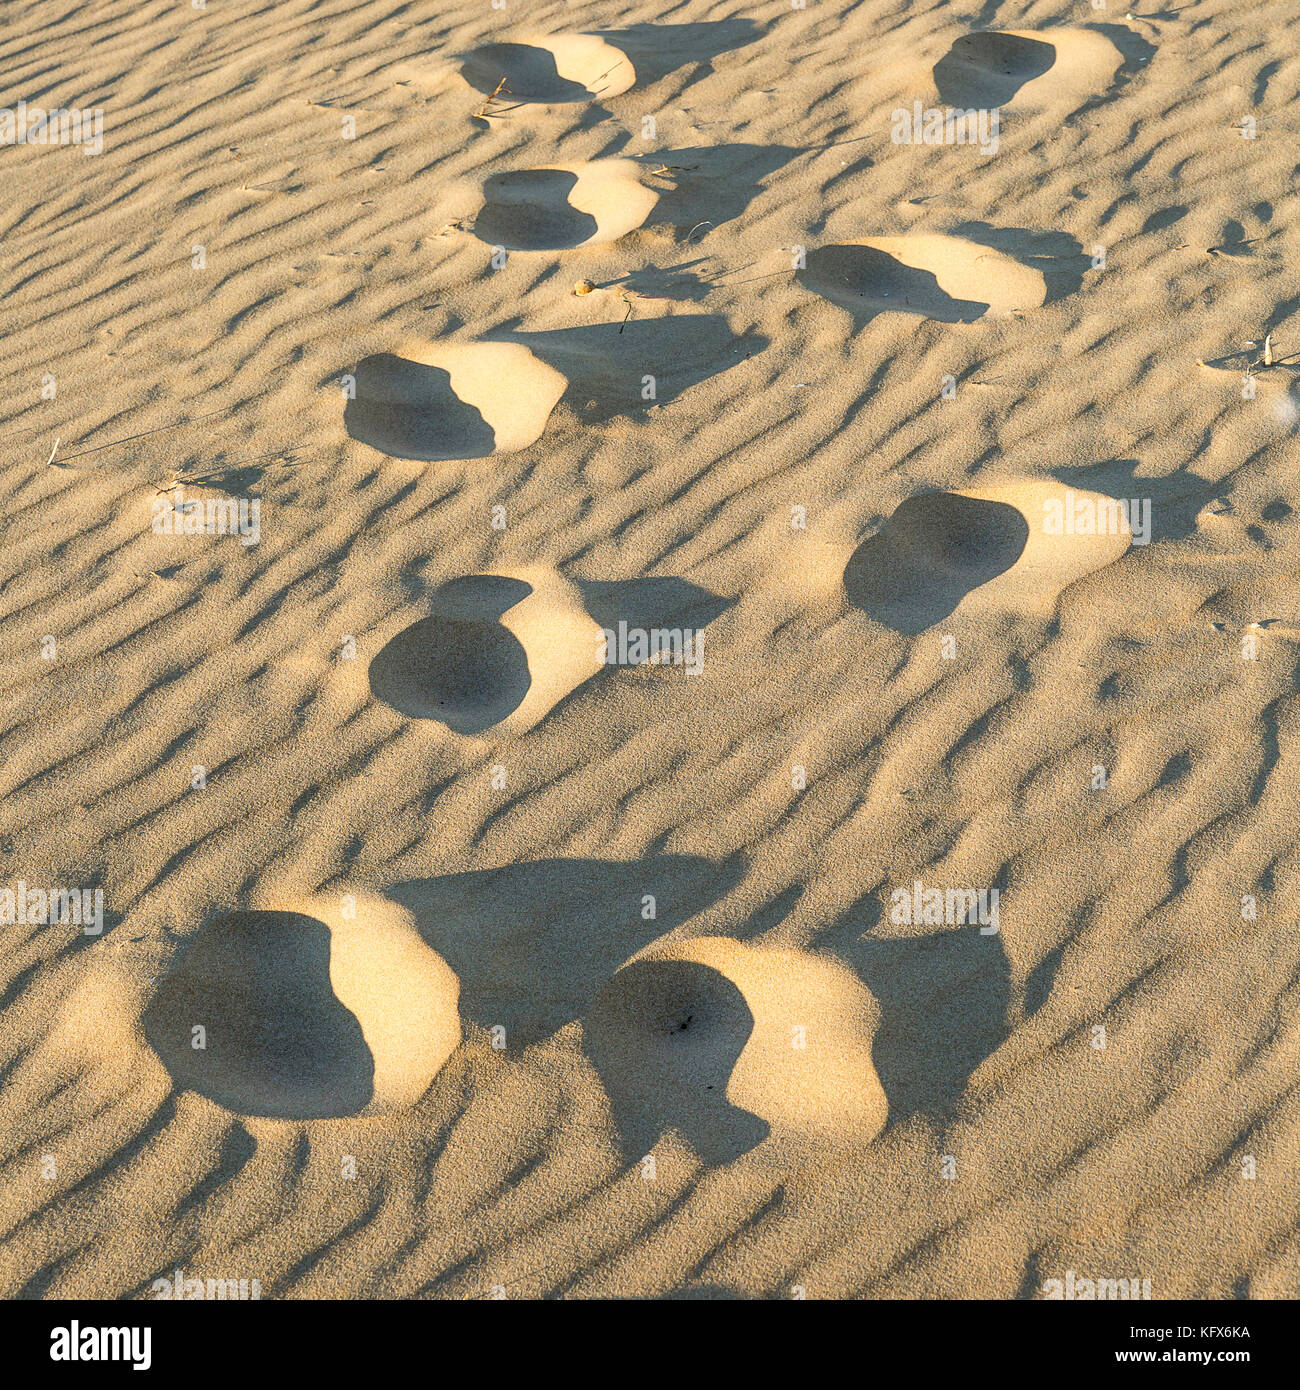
<point>316,1010</point>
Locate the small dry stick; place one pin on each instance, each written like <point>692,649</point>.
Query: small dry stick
<point>482,113</point>
<point>53,451</point>
<point>1268,350</point>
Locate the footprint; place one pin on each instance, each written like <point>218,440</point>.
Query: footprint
<point>1032,69</point>
<point>309,1011</point>
<point>432,401</point>
<point>946,278</point>
<point>557,69</point>
<point>982,548</point>
<point>500,652</point>
<point>727,1043</point>
<point>565,206</point>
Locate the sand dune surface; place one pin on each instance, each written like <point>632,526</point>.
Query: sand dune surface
<point>650,651</point>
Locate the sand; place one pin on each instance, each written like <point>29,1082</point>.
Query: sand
<point>915,917</point>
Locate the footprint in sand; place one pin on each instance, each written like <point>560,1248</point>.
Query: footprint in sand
<point>499,652</point>
<point>985,549</point>
<point>550,70</point>
<point>564,206</point>
<point>946,278</point>
<point>1026,70</point>
<point>728,1043</point>
<point>309,1011</point>
<point>431,401</point>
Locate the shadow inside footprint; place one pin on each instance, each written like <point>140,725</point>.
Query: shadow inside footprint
<point>277,1041</point>
<point>463,668</point>
<point>869,281</point>
<point>929,555</point>
<point>529,210</point>
<point>409,410</point>
<point>988,69</point>
<point>665,1037</point>
<point>530,74</point>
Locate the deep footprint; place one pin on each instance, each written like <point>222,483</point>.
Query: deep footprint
<point>559,69</point>
<point>440,401</point>
<point>1026,69</point>
<point>994,546</point>
<point>307,1015</point>
<point>563,208</point>
<point>945,278</point>
<point>727,1043</point>
<point>500,652</point>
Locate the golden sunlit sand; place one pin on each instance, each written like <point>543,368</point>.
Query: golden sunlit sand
<point>657,647</point>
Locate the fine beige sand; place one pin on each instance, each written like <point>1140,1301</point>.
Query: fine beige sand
<point>453,948</point>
